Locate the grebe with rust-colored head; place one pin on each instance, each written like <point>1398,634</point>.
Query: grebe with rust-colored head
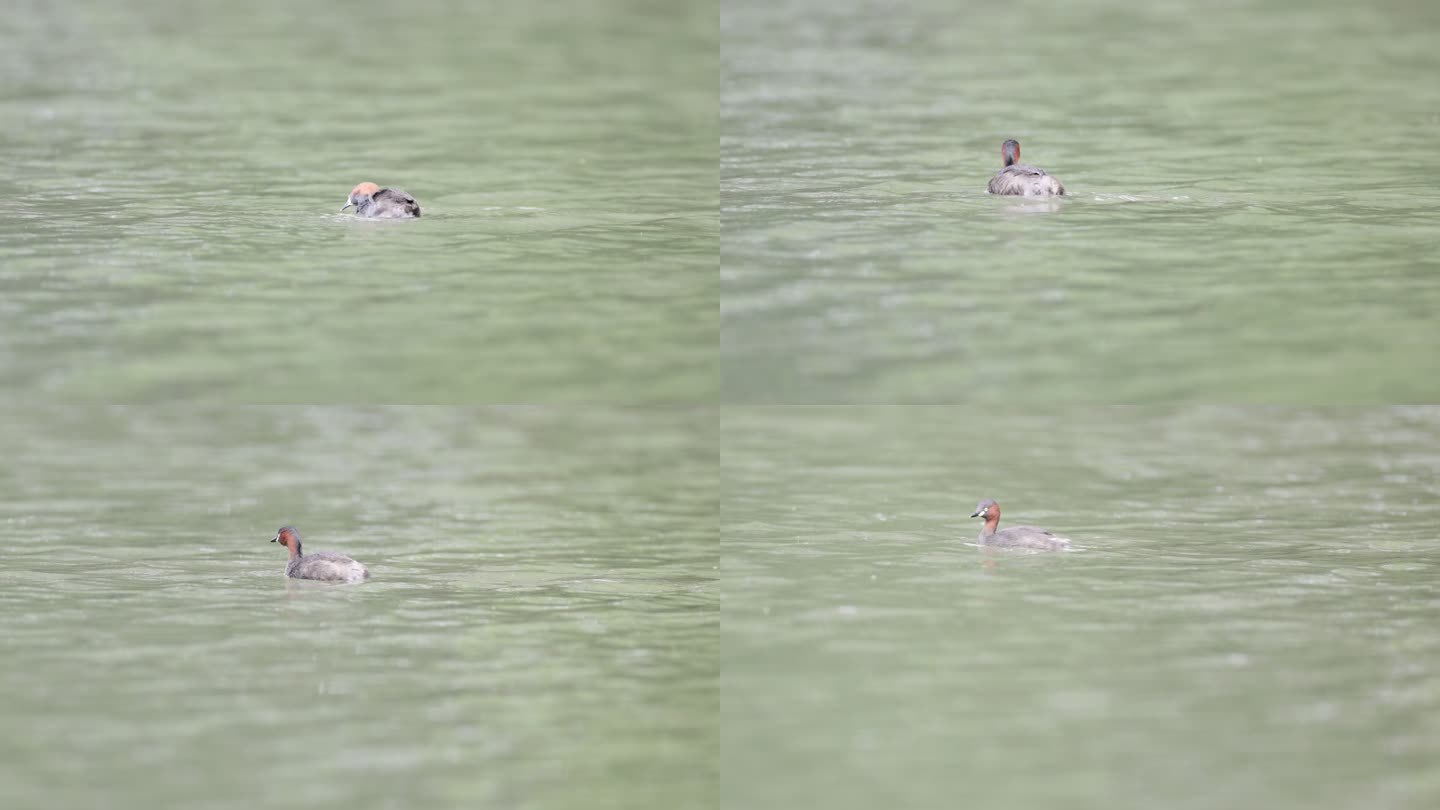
<point>322,565</point>
<point>1017,179</point>
<point>1016,536</point>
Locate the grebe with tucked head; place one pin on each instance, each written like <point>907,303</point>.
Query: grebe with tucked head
<point>1016,178</point>
<point>1015,536</point>
<point>370,200</point>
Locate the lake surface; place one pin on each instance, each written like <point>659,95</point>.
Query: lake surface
<point>540,629</point>
<point>1251,621</point>
<point>170,226</point>
<point>1252,212</point>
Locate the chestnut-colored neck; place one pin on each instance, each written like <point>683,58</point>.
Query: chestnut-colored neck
<point>992,522</point>
<point>294,549</point>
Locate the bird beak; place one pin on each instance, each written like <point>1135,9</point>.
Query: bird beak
<point>348,202</point>
<point>977,513</point>
<point>276,538</point>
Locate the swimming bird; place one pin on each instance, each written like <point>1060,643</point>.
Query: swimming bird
<point>322,565</point>
<point>369,200</point>
<point>1016,178</point>
<point>1015,536</point>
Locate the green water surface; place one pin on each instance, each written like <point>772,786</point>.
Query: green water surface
<point>539,629</point>
<point>1249,621</point>
<point>174,171</point>
<point>1252,211</point>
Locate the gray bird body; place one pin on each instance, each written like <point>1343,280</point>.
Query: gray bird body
<point>1021,180</point>
<point>387,203</point>
<point>327,566</point>
<point>1024,537</point>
